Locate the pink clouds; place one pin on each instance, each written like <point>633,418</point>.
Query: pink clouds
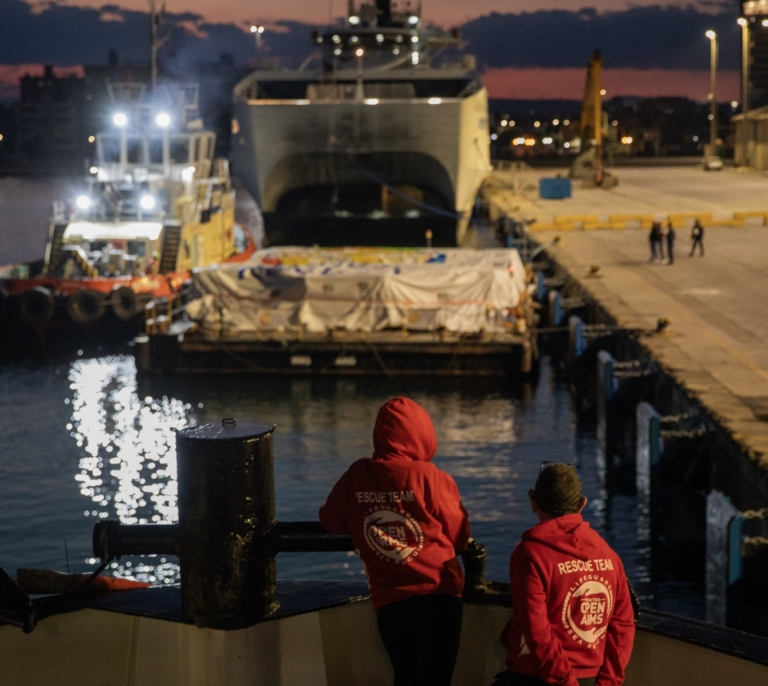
<point>568,84</point>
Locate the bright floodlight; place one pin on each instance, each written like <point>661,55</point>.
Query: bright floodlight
<point>83,202</point>
<point>147,202</point>
<point>413,19</point>
<point>354,20</point>
<point>120,119</point>
<point>741,21</point>
<point>434,101</point>
<point>711,35</point>
<point>94,170</point>
<point>359,52</point>
<point>163,119</point>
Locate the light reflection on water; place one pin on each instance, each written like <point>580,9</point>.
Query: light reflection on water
<point>114,447</point>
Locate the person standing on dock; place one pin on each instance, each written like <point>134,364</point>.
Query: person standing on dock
<point>573,619</point>
<point>408,525</point>
<point>671,243</point>
<point>697,236</point>
<point>654,238</point>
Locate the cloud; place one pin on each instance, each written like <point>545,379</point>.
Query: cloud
<point>652,37</point>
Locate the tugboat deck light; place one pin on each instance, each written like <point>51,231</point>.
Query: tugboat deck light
<point>163,119</point>
<point>83,202</point>
<point>120,119</point>
<point>147,202</point>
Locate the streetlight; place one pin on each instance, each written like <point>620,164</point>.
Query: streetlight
<point>712,102</point>
<point>741,21</point>
<point>360,91</point>
<point>257,30</point>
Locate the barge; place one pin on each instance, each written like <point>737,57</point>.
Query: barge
<point>352,311</point>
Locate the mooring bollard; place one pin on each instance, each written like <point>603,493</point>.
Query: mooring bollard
<point>724,561</point>
<point>226,513</point>
<point>649,449</point>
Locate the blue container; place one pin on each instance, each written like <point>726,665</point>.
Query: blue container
<point>554,189</point>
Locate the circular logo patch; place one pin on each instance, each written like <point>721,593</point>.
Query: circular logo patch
<point>393,535</point>
<point>587,609</point>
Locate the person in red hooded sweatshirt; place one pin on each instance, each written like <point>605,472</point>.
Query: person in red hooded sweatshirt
<point>573,618</point>
<point>407,524</point>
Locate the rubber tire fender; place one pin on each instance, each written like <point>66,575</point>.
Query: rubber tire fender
<point>124,303</point>
<point>86,306</point>
<point>35,306</point>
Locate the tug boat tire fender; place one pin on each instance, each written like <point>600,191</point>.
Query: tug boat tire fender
<point>124,303</point>
<point>86,306</point>
<point>35,306</point>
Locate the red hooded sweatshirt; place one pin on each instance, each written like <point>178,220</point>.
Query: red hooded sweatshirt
<point>404,515</point>
<point>573,615</point>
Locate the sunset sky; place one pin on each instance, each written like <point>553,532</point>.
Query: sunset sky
<point>526,49</point>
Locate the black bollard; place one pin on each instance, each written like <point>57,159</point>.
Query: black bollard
<point>226,513</point>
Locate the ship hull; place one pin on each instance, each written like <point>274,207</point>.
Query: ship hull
<point>362,160</point>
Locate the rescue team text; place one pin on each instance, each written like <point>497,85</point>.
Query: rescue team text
<point>384,496</point>
<point>598,565</point>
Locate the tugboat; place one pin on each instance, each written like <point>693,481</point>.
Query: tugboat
<point>156,204</point>
<point>378,144</point>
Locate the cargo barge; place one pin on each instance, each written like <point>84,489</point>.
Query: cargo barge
<point>352,311</point>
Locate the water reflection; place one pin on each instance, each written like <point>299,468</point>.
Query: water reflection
<point>127,468</point>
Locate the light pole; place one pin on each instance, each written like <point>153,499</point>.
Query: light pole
<point>257,30</point>
<point>744,63</point>
<point>712,102</point>
<point>360,90</point>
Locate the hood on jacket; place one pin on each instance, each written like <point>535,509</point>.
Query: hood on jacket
<point>404,429</point>
<point>568,534</point>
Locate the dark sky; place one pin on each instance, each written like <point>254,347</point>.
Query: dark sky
<point>660,46</point>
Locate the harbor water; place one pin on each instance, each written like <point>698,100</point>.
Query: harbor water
<point>88,439</point>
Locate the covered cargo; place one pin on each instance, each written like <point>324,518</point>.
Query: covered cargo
<point>362,289</point>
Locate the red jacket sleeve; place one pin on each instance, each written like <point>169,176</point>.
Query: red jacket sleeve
<point>530,603</point>
<point>619,640</point>
<point>332,515</point>
<point>450,512</point>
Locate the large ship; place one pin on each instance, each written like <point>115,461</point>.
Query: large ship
<point>376,144</point>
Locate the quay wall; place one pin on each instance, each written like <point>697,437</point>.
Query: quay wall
<point>738,469</point>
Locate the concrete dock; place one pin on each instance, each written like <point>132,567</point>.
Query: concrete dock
<point>716,345</point>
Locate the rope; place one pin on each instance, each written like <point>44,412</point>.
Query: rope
<point>755,514</point>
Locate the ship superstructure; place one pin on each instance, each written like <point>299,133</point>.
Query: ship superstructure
<point>374,143</point>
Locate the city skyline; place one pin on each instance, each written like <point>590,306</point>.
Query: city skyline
<point>525,50</point>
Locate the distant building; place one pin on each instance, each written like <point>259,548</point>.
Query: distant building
<point>49,115</point>
<point>751,139</point>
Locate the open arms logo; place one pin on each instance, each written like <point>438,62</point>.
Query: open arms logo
<point>393,535</point>
<point>587,609</point>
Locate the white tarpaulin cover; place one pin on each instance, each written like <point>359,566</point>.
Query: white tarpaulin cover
<point>361,289</point>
